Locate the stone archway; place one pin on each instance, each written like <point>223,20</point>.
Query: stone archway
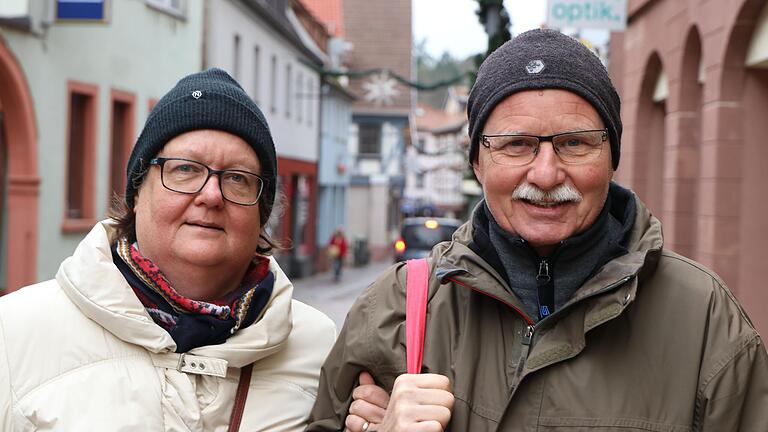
<point>23,182</point>
<point>650,135</point>
<point>683,154</point>
<point>744,82</point>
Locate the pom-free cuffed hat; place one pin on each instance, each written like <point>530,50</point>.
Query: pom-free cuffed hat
<point>205,100</point>
<point>543,59</point>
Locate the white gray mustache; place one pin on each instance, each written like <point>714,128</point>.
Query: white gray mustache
<point>561,193</point>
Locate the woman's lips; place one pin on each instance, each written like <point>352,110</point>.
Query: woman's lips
<point>206,225</point>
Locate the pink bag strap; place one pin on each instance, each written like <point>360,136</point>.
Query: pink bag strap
<point>416,286</point>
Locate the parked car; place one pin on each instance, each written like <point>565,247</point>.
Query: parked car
<point>419,234</point>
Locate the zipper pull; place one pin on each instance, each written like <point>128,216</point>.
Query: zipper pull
<point>543,275</point>
<point>528,335</point>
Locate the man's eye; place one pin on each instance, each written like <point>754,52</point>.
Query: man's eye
<point>516,143</point>
<point>573,142</point>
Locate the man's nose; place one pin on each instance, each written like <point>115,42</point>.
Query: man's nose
<point>546,171</point>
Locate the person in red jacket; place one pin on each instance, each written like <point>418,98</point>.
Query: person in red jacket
<point>337,250</point>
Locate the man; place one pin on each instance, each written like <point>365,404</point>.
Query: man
<point>556,307</point>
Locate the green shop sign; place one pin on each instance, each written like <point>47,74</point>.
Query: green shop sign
<point>601,14</point>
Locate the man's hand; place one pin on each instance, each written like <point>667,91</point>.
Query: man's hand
<point>422,402</point>
<point>368,406</point>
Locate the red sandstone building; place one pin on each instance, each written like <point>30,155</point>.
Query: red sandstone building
<point>693,79</point>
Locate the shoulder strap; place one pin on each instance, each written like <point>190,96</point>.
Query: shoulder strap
<point>241,396</point>
<point>416,285</point>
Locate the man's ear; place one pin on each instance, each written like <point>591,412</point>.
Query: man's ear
<point>478,170</point>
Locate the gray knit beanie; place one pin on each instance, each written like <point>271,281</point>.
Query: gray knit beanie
<point>543,59</point>
<point>205,100</point>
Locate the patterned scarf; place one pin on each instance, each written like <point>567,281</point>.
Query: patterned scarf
<point>194,323</point>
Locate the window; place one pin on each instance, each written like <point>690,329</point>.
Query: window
<point>79,212</point>
<point>311,98</point>
<point>288,80</point>
<point>236,57</point>
<point>370,139</point>
<point>122,123</point>
<point>171,7</point>
<point>256,73</point>
<point>273,85</point>
<point>299,96</point>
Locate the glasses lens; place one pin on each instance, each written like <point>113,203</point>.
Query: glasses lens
<point>184,176</point>
<point>512,149</point>
<point>241,187</point>
<point>579,147</point>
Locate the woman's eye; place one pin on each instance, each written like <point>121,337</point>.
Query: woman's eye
<point>186,168</point>
<point>235,178</point>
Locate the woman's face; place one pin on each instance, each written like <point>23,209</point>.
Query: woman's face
<point>202,230</point>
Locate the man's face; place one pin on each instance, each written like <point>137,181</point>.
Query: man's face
<point>544,112</point>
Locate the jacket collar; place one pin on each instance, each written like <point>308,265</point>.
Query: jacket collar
<point>455,261</point>
<point>96,286</point>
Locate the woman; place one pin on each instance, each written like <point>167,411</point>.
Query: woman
<point>337,252</point>
<point>161,313</point>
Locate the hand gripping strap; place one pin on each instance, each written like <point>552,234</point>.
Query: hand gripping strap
<point>416,285</point>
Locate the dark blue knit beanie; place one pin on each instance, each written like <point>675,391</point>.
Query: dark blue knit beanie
<point>205,100</point>
<point>543,59</point>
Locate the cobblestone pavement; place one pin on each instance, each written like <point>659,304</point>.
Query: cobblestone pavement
<point>335,298</point>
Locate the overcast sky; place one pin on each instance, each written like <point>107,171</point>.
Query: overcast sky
<point>451,25</point>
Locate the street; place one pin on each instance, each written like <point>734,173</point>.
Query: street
<point>335,298</point>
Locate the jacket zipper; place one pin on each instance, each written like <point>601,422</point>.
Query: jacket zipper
<point>530,329</point>
<point>543,275</point>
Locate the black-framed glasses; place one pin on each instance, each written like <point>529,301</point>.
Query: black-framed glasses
<point>573,148</point>
<point>189,177</point>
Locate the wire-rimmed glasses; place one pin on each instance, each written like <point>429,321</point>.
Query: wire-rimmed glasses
<point>573,148</point>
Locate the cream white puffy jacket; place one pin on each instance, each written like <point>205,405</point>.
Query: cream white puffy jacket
<point>80,353</point>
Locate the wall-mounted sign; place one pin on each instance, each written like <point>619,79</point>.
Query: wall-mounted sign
<point>81,10</point>
<point>602,14</point>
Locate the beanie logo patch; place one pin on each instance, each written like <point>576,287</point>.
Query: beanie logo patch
<point>535,67</point>
<point>197,94</point>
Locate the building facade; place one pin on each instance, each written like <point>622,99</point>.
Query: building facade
<point>693,78</point>
<point>267,49</point>
<point>381,35</point>
<point>435,164</point>
<point>74,94</point>
<point>335,121</point>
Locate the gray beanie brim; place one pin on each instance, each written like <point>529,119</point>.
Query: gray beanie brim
<point>543,59</point>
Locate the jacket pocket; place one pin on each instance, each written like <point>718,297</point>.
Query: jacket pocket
<point>581,424</point>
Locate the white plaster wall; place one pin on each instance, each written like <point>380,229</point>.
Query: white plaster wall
<point>295,136</point>
<point>140,50</point>
<point>14,8</point>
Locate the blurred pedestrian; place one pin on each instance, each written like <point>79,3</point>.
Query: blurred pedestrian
<point>337,251</point>
<point>556,307</point>
<point>172,315</point>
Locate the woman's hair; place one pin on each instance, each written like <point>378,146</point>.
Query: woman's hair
<point>125,218</point>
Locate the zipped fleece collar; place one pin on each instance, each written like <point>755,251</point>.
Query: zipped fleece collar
<point>91,281</point>
<point>457,262</point>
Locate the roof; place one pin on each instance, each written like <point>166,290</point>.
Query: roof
<point>431,119</point>
<point>274,12</point>
<point>329,12</point>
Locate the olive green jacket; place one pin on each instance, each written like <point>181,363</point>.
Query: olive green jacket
<point>653,342</point>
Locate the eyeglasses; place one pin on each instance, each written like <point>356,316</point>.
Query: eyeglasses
<point>189,177</point>
<point>573,148</point>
